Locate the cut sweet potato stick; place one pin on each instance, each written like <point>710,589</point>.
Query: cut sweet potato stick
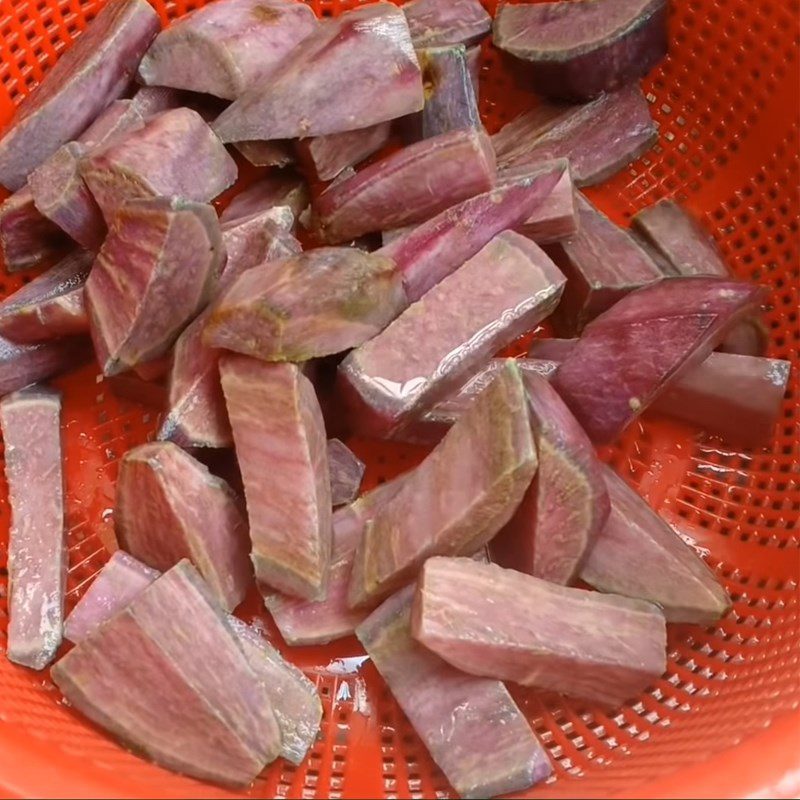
<point>457,499</point>
<point>450,100</point>
<point>631,353</point>
<point>27,237</point>
<point>284,188</point>
<point>329,155</point>
<point>94,71</point>
<point>346,470</point>
<point>282,451</point>
<point>478,617</point>
<point>151,677</point>
<point>364,58</point>
<point>598,138</point>
<point>486,747</point>
<point>23,364</point>
<point>557,217</point>
<point>638,555</point>
<point>266,154</point>
<point>226,47</point>
<point>566,505</point>
<point>37,556</point>
<point>411,185</point>
<point>576,50</point>
<point>438,23</point>
<point>503,291</point>
<point>170,507</point>
<point>50,306</point>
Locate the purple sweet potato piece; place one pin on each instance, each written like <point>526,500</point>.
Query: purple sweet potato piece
<point>504,624</point>
<point>23,364</point>
<point>411,185</point>
<point>175,154</point>
<point>294,698</point>
<point>27,237</point>
<point>638,555</point>
<point>471,726</point>
<point>640,346</point>
<point>281,189</point>
<point>364,58</point>
<point>598,138</point>
<point>282,451</point>
<point>37,555</point>
<point>346,470</point>
<point>438,23</point>
<point>567,503</point>
<point>431,427</point>
<point>682,247</point>
<point>121,580</point>
<point>304,622</point>
<point>576,50</point>
<point>329,155</point>
<point>557,217</point>
<point>170,507</point>
<point>432,251</point>
<point>151,677</point>
<point>734,396</point>
<point>169,252</point>
<point>196,415</point>
<point>50,306</point>
<point>94,71</point>
<point>61,194</point>
<point>267,154</point>
<point>450,100</point>
<point>602,264</point>
<point>226,47</point>
<point>457,499</point>
<point>502,292</point>
<point>314,304</point>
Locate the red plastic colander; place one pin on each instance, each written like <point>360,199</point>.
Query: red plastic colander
<point>724,720</point>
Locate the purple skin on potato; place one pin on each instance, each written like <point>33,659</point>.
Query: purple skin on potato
<point>733,396</point>
<point>170,507</point>
<point>23,364</point>
<point>175,154</point>
<point>347,470</point>
<point>681,246</point>
<point>314,304</point>
<point>51,305</point>
<point>638,555</point>
<point>602,264</point>
<point>170,252</point>
<point>439,23</point>
<point>430,252</point>
<point>631,353</point>
<point>94,71</point>
<point>478,618</point>
<point>150,676</point>
<point>502,292</point>
<point>196,415</point>
<point>225,48</point>
<point>451,103</point>
<point>281,447</point>
<point>364,58</point>
<point>556,218</point>
<point>477,710</point>
<point>598,138</point>
<point>411,185</point>
<point>577,50</point>
<point>307,622</point>
<point>27,237</point>
<point>566,505</point>
<point>271,191</point>
<point>37,557</point>
<point>457,500</point>
<point>430,428</point>
<point>267,154</point>
<point>329,155</point>
<point>294,698</point>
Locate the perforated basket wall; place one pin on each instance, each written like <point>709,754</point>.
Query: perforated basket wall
<point>723,721</point>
